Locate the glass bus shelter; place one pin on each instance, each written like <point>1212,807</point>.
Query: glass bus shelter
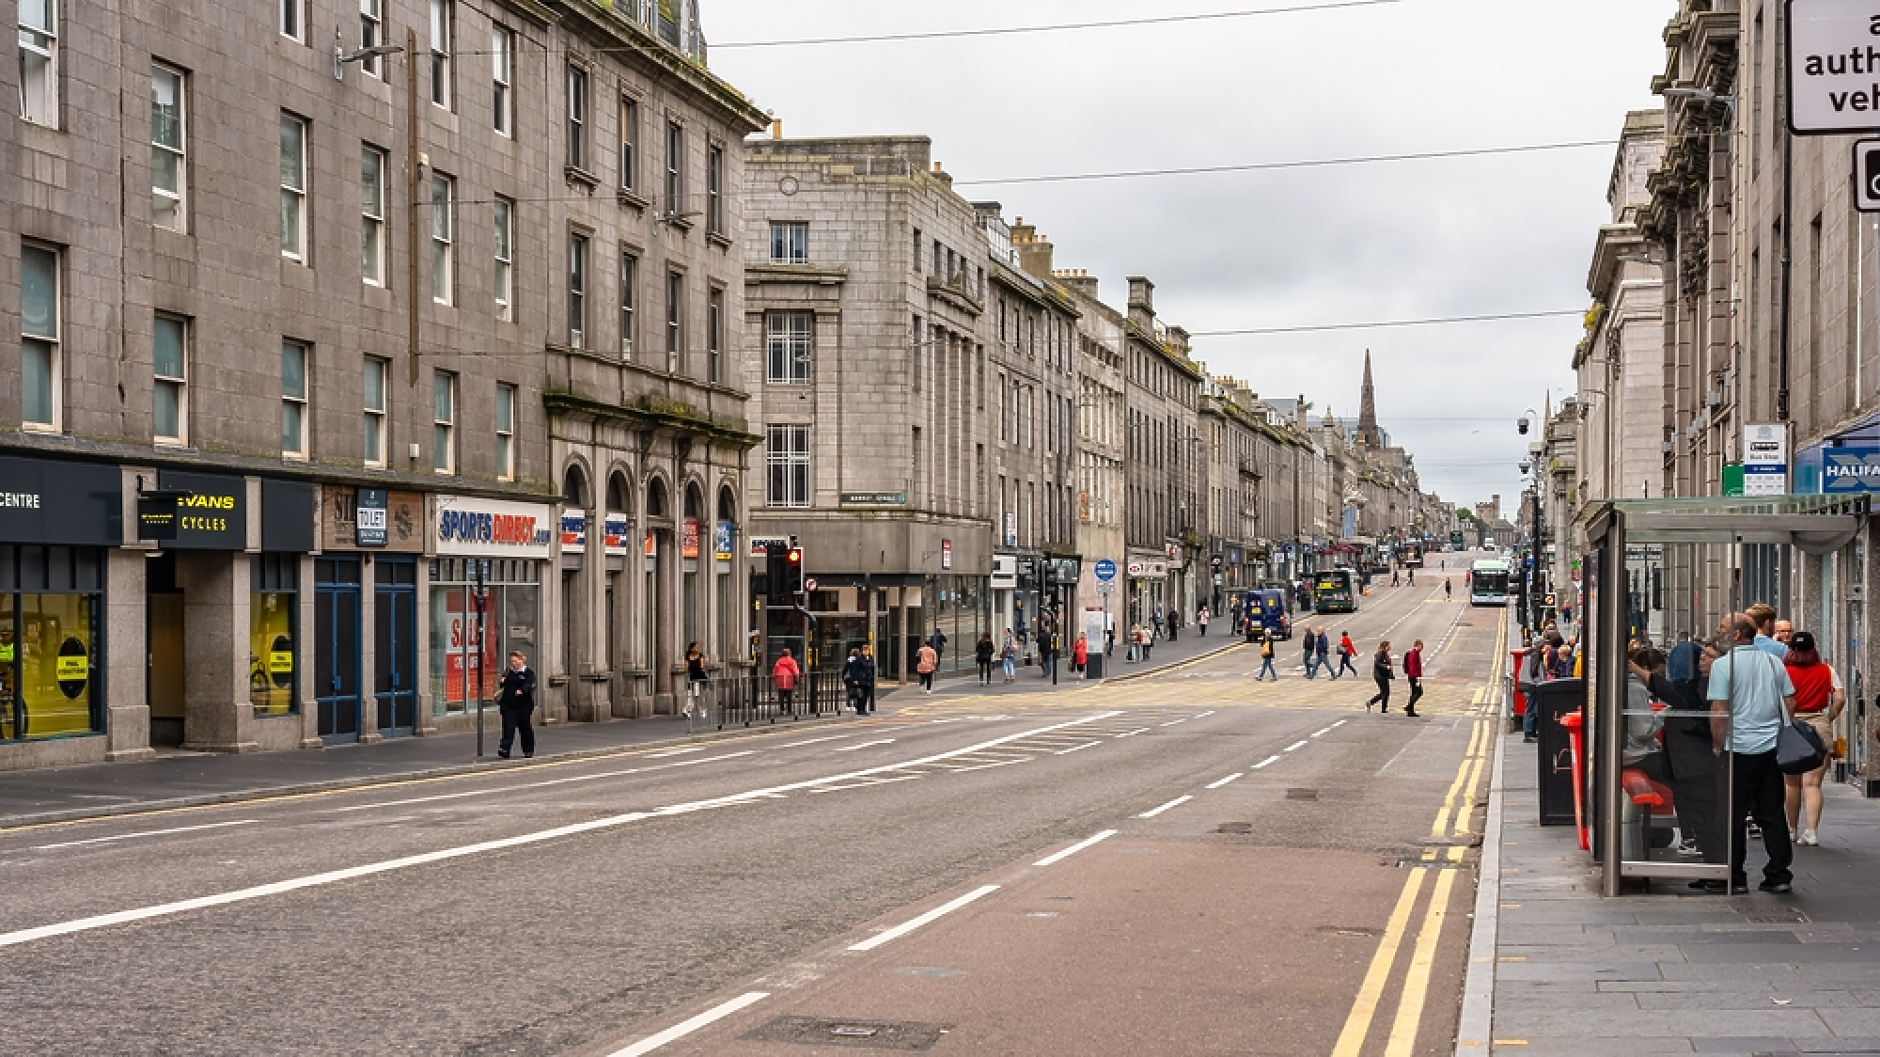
<point>1660,570</point>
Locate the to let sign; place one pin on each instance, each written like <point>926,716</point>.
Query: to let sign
<point>1834,66</point>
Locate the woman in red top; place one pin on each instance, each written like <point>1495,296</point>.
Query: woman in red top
<point>1080,654</point>
<point>1413,672</point>
<point>1818,702</point>
<point>784,675</point>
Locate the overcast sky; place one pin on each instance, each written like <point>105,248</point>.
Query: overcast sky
<point>1343,244</point>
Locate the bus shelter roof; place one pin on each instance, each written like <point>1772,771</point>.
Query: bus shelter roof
<point>1816,523</point>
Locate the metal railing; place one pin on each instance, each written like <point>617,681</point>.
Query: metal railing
<point>747,700</point>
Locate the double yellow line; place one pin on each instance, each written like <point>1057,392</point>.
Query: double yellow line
<point>1452,822</point>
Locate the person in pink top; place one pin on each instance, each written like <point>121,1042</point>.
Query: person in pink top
<point>784,675</point>
<point>1413,672</point>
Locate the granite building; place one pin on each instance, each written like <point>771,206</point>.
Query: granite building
<point>333,352</point>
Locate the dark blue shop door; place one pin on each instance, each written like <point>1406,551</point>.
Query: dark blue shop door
<point>395,652</point>
<point>336,647</point>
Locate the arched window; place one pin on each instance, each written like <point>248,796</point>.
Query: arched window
<point>618,494</point>
<point>727,505</point>
<point>656,505</point>
<point>694,502</point>
<point>574,488</point>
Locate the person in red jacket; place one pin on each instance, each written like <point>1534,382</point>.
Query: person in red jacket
<point>1080,654</point>
<point>1413,671</point>
<point>784,676</point>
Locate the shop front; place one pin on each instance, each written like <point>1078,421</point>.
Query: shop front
<point>372,547</point>
<point>485,599</point>
<point>223,612</point>
<point>1148,589</point>
<point>58,524</point>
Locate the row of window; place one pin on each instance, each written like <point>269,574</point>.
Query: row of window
<point>42,372</point>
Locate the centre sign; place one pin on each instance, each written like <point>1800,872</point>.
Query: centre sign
<point>1834,66</point>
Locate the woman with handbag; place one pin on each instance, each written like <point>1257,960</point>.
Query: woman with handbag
<point>1819,700</point>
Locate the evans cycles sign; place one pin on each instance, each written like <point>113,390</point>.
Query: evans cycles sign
<point>492,528</point>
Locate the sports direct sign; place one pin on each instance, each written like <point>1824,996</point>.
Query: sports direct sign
<point>1834,66</point>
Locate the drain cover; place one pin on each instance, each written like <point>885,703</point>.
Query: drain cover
<point>1302,794</point>
<point>1234,827</point>
<point>1778,916</point>
<point>905,1036</point>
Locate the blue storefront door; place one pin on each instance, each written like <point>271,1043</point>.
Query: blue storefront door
<point>336,648</point>
<point>395,645</point>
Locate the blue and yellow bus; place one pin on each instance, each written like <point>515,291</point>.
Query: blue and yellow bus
<point>1335,591</point>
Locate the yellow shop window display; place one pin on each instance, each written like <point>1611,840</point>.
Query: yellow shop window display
<point>49,674</point>
<point>273,650</point>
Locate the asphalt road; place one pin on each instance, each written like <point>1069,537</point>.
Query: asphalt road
<point>1268,880</point>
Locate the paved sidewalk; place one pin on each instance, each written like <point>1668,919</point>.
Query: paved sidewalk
<point>189,779</point>
<point>1670,971</point>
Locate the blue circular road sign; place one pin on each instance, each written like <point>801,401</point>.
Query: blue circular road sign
<point>1105,570</point>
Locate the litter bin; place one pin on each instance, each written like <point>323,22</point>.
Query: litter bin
<point>1093,664</point>
<point>1552,700</point>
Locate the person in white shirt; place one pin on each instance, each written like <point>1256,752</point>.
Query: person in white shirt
<point>1750,692</point>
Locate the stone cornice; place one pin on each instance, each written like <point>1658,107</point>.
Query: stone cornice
<point>654,412</point>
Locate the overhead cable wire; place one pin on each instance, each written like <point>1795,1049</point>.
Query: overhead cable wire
<point>1433,322</point>
<point>1058,27</point>
<point>1530,148</point>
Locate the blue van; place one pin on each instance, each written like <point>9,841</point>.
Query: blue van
<point>1267,607</point>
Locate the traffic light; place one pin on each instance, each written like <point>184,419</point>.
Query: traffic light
<point>1522,425</point>
<point>793,572</point>
<point>1215,563</point>
<point>776,558</point>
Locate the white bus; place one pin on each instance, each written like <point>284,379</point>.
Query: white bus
<point>1488,582</point>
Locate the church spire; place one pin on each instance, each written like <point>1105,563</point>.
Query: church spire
<point>1368,433</point>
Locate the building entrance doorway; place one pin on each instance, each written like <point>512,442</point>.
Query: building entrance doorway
<point>395,645</point>
<point>336,648</point>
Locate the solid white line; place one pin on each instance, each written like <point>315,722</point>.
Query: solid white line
<point>63,928</point>
<point>1263,763</point>
<point>1295,746</point>
<point>1321,733</point>
<point>1138,730</point>
<point>674,752</point>
<point>1074,748</point>
<point>864,745</point>
<point>1173,803</point>
<point>151,833</point>
<point>1057,857</point>
<point>1224,781</point>
<point>679,1031</point>
<point>935,914</point>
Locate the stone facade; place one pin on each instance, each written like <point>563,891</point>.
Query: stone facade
<point>360,281</point>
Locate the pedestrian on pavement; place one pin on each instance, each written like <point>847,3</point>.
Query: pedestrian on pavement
<point>1080,654</point>
<point>1174,622</point>
<point>1445,588</point>
<point>1312,654</point>
<point>784,675</point>
<point>1412,579</point>
<point>1347,650</point>
<point>1394,581</point>
<point>1752,691</point>
<point>938,640</point>
<point>1201,620</point>
<point>1819,700</point>
<point>515,699</point>
<point>1681,664</point>
<point>1109,637</point>
<point>852,680</point>
<point>695,679</point>
<point>1158,621</point>
<point>1413,674</point>
<point>1047,654</point>
<point>1381,671</point>
<point>1533,673</point>
<point>1008,656</point>
<point>1324,651</point>
<point>1146,640</point>
<point>1266,660</point>
<point>924,663</point>
<point>1784,633</point>
<point>982,656</point>
<point>868,677</point>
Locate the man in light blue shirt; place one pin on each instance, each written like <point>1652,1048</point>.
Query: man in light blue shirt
<point>1763,615</point>
<point>1750,694</point>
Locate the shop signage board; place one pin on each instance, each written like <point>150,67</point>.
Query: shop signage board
<point>724,540</point>
<point>574,531</point>
<point>213,517</point>
<point>1852,468</point>
<point>946,554</point>
<point>616,528</point>
<point>1834,66</point>
<point>689,540</point>
<point>371,515</point>
<point>347,517</point>
<point>760,545</point>
<point>74,504</point>
<point>874,498</point>
<point>492,528</point>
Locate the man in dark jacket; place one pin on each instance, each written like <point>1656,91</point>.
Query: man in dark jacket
<point>852,678</point>
<point>515,698</point>
<point>868,678</point>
